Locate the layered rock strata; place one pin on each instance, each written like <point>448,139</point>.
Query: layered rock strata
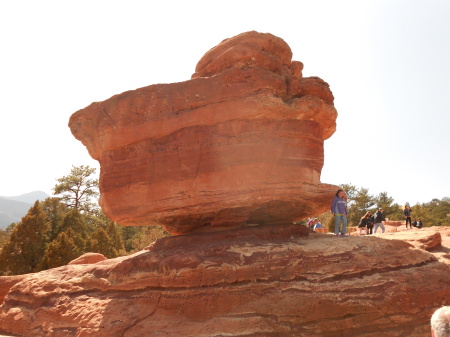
<point>240,143</point>
<point>257,281</point>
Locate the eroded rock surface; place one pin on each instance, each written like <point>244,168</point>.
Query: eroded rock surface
<point>257,281</point>
<point>240,143</point>
<point>418,238</point>
<point>89,258</point>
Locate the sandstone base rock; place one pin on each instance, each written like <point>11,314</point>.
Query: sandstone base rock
<point>418,238</point>
<point>257,281</point>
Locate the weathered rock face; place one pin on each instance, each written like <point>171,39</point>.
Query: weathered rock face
<point>422,239</point>
<point>257,281</point>
<point>89,258</point>
<point>240,143</point>
<point>394,223</point>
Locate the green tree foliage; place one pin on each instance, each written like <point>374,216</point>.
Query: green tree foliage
<point>433,213</point>
<point>62,250</point>
<point>60,229</point>
<point>113,231</point>
<point>3,237</point>
<point>351,192</point>
<point>78,189</point>
<point>6,233</point>
<point>102,243</point>
<point>75,220</point>
<point>391,210</point>
<point>56,212</point>
<point>360,203</point>
<point>23,252</point>
<point>138,238</point>
<point>129,234</point>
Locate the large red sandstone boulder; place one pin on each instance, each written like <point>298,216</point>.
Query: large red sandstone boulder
<point>240,143</point>
<point>257,281</point>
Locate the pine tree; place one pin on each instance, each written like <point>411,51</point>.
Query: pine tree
<point>102,243</point>
<point>75,220</point>
<point>56,212</point>
<point>78,189</point>
<point>128,234</point>
<point>391,210</point>
<point>24,251</point>
<point>115,237</point>
<point>62,250</point>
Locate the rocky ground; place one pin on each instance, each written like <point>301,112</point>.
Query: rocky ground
<point>258,281</point>
<point>435,239</point>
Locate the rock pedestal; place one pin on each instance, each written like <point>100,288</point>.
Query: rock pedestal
<point>259,281</point>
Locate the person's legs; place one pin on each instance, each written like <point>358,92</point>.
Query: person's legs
<point>337,224</point>
<point>382,227</point>
<point>344,224</point>
<point>375,227</point>
<point>408,219</point>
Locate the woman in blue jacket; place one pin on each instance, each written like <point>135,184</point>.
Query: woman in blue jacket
<point>339,210</point>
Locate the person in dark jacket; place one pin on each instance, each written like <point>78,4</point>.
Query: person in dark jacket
<point>370,221</point>
<point>419,223</point>
<point>379,218</point>
<point>407,212</point>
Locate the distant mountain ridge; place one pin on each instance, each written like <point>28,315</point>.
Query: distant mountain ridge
<point>13,209</point>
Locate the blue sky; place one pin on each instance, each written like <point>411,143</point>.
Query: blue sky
<point>386,62</point>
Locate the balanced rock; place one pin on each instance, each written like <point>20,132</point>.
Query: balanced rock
<point>240,143</point>
<point>254,281</point>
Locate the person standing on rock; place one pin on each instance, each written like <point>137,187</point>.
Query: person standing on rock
<point>379,218</point>
<point>407,212</point>
<point>363,223</point>
<point>339,210</point>
<point>370,221</point>
<point>440,322</point>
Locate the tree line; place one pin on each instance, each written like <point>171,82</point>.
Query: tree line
<point>62,228</point>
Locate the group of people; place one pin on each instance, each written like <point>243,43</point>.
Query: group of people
<point>407,213</point>
<point>314,224</point>
<point>340,211</point>
<point>370,222</point>
<point>440,321</point>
